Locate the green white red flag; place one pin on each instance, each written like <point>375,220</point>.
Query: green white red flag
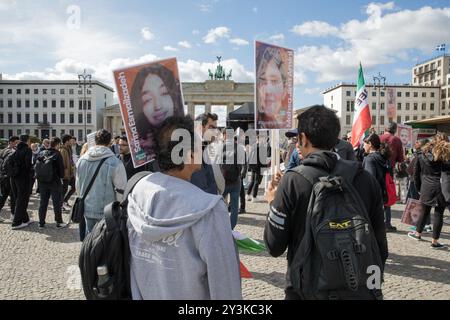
<point>362,119</point>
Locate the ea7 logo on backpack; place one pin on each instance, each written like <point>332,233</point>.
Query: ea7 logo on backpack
<point>346,224</point>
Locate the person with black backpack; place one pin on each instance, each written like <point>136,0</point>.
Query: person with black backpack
<point>5,179</point>
<point>49,171</point>
<point>233,160</point>
<point>328,213</point>
<point>20,171</point>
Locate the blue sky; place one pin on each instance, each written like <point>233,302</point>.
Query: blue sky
<point>40,40</point>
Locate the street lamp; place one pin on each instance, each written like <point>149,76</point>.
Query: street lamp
<point>83,81</point>
<point>377,82</point>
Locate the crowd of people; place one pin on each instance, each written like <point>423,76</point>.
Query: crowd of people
<point>181,215</point>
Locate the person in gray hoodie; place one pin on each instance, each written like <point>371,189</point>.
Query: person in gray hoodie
<point>109,183</point>
<point>180,237</point>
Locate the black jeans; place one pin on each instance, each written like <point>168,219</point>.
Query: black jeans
<point>82,229</point>
<point>55,191</point>
<point>21,188</point>
<point>6,191</point>
<point>254,184</point>
<point>242,196</point>
<point>437,223</point>
<point>67,194</point>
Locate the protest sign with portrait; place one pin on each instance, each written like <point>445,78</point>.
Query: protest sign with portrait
<point>405,135</point>
<point>148,94</point>
<point>391,104</point>
<point>413,213</point>
<point>274,86</point>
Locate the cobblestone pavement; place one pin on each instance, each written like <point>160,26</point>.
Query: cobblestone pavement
<point>42,264</point>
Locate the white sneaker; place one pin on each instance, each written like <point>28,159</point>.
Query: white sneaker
<point>65,207</point>
<point>249,198</point>
<point>23,225</point>
<point>29,222</point>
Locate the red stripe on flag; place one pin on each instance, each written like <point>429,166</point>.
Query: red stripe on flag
<point>245,274</point>
<point>361,125</point>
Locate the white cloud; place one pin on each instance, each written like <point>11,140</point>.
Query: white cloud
<point>205,7</point>
<point>277,38</point>
<point>382,38</point>
<point>185,44</point>
<point>195,32</point>
<point>195,71</point>
<point>255,9</point>
<point>239,42</point>
<point>314,29</point>
<point>402,71</point>
<point>216,33</point>
<point>169,48</point>
<point>313,91</point>
<point>147,34</point>
<point>7,4</point>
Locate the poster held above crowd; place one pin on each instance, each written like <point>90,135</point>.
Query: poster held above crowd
<point>148,94</point>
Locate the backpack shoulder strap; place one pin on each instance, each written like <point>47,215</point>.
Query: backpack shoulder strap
<point>93,178</point>
<point>310,173</point>
<point>111,209</point>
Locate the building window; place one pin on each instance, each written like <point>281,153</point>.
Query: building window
<point>44,118</point>
<point>80,135</point>
<point>432,106</point>
<point>44,103</point>
<point>89,104</point>
<point>36,132</point>
<point>382,93</point>
<point>71,91</point>
<point>19,132</point>
<point>374,120</point>
<point>1,103</point>
<point>348,93</point>
<point>407,94</point>
<point>382,106</point>
<point>407,106</point>
<point>399,94</point>
<point>352,106</point>
<point>415,118</point>
<point>19,118</point>
<point>27,91</point>
<point>80,105</point>
<point>374,93</point>
<point>36,118</point>
<point>399,106</point>
<point>415,105</point>
<point>406,118</point>
<point>416,94</point>
<point>53,117</point>
<point>62,118</point>
<point>27,118</point>
<point>443,105</point>
<point>10,118</point>
<point>27,103</point>
<point>2,133</point>
<point>1,120</point>
<point>89,118</point>
<point>53,91</point>
<point>71,104</point>
<point>382,120</point>
<point>374,105</point>
<point>9,91</point>
<point>53,133</point>
<point>36,103</point>
<point>424,94</point>
<point>9,103</point>
<point>80,118</point>
<point>36,91</point>
<point>19,91</point>
<point>399,119</point>
<point>63,132</point>
<point>53,103</point>
<point>19,103</point>
<point>432,94</point>
<point>424,106</point>
<point>63,103</point>
<point>348,106</point>
<point>89,92</point>
<point>347,120</point>
<point>62,91</point>
<point>44,91</point>
<point>71,118</point>
<point>71,132</point>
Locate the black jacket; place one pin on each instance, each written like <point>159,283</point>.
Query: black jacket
<point>24,157</point>
<point>131,170</point>
<point>427,178</point>
<point>291,204</point>
<point>445,181</point>
<point>377,166</point>
<point>345,150</point>
<point>58,167</point>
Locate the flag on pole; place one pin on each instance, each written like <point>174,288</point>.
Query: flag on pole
<point>362,119</point>
<point>245,243</point>
<point>440,47</point>
<point>245,274</point>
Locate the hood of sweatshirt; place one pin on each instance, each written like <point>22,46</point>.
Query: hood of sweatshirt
<point>325,160</point>
<point>97,153</point>
<point>378,158</point>
<point>160,206</point>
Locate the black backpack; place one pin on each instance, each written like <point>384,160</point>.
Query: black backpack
<point>231,171</point>
<point>44,167</point>
<point>108,245</point>
<point>11,165</point>
<point>339,244</point>
<point>3,155</point>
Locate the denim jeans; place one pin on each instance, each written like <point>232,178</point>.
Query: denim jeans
<point>234,191</point>
<point>90,224</point>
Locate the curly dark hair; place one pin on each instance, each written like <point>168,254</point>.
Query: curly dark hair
<point>165,145</point>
